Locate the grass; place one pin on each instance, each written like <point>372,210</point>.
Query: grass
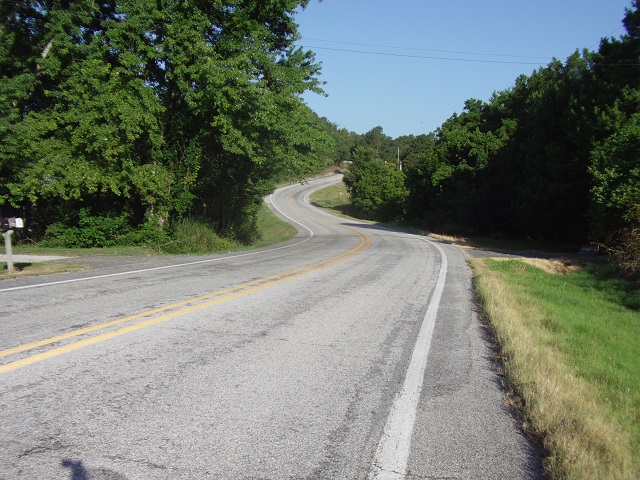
<point>571,347</point>
<point>25,269</point>
<point>74,252</point>
<point>335,199</point>
<point>273,230</point>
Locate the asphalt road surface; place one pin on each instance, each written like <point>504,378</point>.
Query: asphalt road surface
<point>350,352</point>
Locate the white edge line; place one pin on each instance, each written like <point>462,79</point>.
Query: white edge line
<point>392,455</point>
<point>288,217</point>
<point>130,272</point>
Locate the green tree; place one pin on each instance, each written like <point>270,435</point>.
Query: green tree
<point>157,109</point>
<point>550,158</point>
<point>344,140</point>
<point>616,187</point>
<point>375,188</point>
<point>449,184</point>
<point>383,147</point>
<point>413,148</point>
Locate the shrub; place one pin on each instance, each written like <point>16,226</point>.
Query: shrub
<point>90,231</point>
<point>195,236</point>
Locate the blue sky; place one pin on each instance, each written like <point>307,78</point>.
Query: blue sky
<point>418,78</point>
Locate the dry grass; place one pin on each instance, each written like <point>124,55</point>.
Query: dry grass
<point>458,241</point>
<point>560,408</point>
<point>39,268</point>
<point>553,266</point>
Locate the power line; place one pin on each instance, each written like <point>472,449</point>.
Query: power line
<point>427,57</point>
<point>426,49</point>
<point>606,36</point>
<point>631,63</point>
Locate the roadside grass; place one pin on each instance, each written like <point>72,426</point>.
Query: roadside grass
<point>25,269</point>
<point>570,345</point>
<point>193,236</point>
<point>335,199</point>
<point>272,229</point>
<point>26,249</point>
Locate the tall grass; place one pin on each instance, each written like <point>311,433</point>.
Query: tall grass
<point>195,236</point>
<point>571,347</point>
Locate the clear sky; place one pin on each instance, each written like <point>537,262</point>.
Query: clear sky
<point>432,55</point>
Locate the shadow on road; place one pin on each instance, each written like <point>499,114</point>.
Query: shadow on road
<point>80,472</point>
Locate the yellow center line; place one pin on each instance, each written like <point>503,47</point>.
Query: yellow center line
<point>218,297</point>
<point>93,328</point>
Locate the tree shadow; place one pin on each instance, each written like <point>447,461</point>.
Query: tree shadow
<point>344,210</point>
<point>18,266</point>
<point>80,472</point>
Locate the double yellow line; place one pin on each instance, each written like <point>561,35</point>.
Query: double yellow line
<point>173,310</point>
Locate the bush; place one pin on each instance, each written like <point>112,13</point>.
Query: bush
<point>91,231</point>
<point>195,236</point>
<point>627,253</point>
<point>146,235</point>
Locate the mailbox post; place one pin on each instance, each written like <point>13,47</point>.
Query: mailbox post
<point>6,226</point>
<point>7,247</point>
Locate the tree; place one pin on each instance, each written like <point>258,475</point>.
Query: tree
<point>616,187</point>
<point>158,109</point>
<point>382,145</point>
<point>375,188</point>
<point>449,184</point>
<point>345,142</point>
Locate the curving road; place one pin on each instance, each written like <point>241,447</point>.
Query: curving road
<point>350,352</point>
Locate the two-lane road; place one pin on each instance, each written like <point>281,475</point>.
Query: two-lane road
<point>350,352</point>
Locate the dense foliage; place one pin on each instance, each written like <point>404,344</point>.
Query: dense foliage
<point>555,157</point>
<point>119,120</point>
<point>377,189</point>
<point>146,112</point>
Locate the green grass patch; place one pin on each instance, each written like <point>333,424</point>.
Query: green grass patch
<point>571,345</point>
<point>335,199</point>
<point>196,237</point>
<point>272,229</point>
<point>191,237</point>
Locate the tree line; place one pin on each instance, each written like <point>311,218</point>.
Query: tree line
<point>555,157</point>
<point>127,117</point>
<point>130,115</point>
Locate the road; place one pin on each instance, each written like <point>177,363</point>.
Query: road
<point>349,352</point>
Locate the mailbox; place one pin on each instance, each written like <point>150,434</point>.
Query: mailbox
<point>11,223</point>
